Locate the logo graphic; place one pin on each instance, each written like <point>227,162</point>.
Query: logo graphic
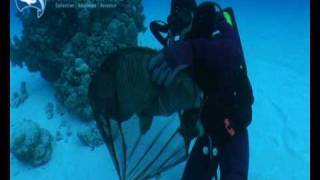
<point>39,5</point>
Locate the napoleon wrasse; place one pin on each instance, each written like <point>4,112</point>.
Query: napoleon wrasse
<point>122,87</point>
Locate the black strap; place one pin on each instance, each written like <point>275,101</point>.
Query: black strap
<point>159,26</point>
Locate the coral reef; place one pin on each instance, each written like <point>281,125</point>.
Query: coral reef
<point>90,136</point>
<point>67,45</point>
<point>68,131</point>
<point>64,131</point>
<point>59,136</point>
<point>31,144</point>
<point>72,88</point>
<point>60,110</point>
<point>49,109</point>
<point>21,96</point>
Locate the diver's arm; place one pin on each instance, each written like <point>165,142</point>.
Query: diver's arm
<point>181,52</point>
<point>169,62</point>
<point>204,50</point>
<point>207,51</point>
<point>178,53</point>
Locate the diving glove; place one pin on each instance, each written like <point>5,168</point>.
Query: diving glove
<point>170,61</point>
<point>162,72</point>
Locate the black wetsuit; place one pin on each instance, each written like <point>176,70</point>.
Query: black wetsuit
<point>219,69</point>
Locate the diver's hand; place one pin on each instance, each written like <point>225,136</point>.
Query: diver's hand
<point>162,73</point>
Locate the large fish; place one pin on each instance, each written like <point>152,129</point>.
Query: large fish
<point>123,87</point>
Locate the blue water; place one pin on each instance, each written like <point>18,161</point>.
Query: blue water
<point>276,42</point>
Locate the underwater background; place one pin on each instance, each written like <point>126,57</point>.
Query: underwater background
<point>276,40</point>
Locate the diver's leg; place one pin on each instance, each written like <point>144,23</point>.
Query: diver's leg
<point>199,166</point>
<point>234,158</point>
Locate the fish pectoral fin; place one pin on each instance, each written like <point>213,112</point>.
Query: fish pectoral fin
<point>145,123</point>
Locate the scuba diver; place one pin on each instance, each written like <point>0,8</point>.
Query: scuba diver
<point>178,19</point>
<point>210,50</point>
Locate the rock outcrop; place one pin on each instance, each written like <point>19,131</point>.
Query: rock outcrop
<point>31,144</point>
